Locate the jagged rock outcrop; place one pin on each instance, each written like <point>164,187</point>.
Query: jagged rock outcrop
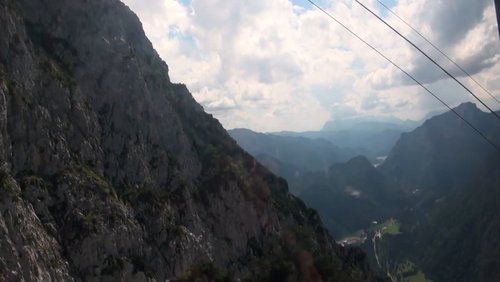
<point>111,172</point>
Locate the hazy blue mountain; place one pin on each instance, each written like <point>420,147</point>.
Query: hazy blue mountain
<point>369,136</point>
<point>300,152</point>
<point>371,144</point>
<point>285,170</point>
<point>363,137</point>
<point>370,124</point>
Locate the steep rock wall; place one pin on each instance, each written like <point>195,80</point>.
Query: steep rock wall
<point>110,171</point>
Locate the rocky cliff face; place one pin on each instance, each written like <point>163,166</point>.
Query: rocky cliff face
<point>111,172</point>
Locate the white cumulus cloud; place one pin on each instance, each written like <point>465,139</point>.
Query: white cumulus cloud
<point>283,65</point>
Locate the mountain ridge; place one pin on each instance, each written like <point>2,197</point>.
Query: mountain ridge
<point>304,153</point>
<point>351,195</point>
<point>111,172</point>
<point>453,174</point>
<point>431,150</point>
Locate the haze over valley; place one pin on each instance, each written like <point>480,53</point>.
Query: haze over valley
<point>433,187</point>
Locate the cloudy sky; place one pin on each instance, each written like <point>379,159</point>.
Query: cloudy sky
<point>274,65</point>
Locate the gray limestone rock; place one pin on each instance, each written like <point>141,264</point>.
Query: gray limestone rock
<point>112,173</point>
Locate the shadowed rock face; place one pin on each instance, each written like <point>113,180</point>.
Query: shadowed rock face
<point>443,153</point>
<point>350,196</point>
<point>110,171</point>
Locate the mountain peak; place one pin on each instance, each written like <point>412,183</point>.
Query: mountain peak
<point>467,107</point>
<point>360,162</point>
<point>115,173</point>
<point>443,143</point>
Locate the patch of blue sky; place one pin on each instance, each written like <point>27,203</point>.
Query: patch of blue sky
<point>357,64</point>
<point>302,3</point>
<point>342,46</point>
<point>187,41</point>
<point>388,3</point>
<point>307,5</point>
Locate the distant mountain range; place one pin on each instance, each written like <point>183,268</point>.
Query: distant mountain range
<point>363,137</point>
<point>371,144</point>
<point>317,150</point>
<point>441,181</point>
<point>369,136</point>
<point>302,153</point>
<point>370,124</point>
<point>348,191</point>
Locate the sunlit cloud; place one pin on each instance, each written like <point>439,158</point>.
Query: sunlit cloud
<point>283,65</point>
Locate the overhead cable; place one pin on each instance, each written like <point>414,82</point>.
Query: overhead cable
<point>405,72</point>
<point>440,51</point>
<point>428,57</point>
